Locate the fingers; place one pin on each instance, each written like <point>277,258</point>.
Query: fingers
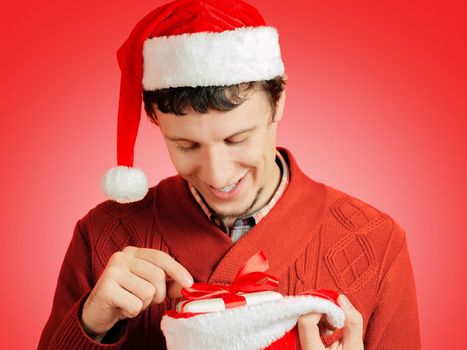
<point>310,328</point>
<point>174,289</point>
<point>308,331</point>
<point>325,327</point>
<point>337,345</point>
<point>353,328</point>
<point>154,275</point>
<point>165,262</point>
<point>132,279</point>
<point>157,268</point>
<point>129,304</point>
<point>137,286</point>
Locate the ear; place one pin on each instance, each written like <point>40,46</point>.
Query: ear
<point>155,119</point>
<point>280,107</point>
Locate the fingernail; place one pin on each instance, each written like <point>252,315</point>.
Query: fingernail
<point>188,281</point>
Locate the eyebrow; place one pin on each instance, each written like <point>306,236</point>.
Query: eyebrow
<point>172,138</point>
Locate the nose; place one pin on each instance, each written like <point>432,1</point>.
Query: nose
<point>217,167</point>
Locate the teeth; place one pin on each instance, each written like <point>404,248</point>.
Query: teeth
<point>227,188</point>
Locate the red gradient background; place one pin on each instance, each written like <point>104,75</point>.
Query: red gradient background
<point>376,106</point>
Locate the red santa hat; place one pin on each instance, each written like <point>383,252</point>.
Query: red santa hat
<point>247,314</point>
<point>185,43</point>
<point>269,325</point>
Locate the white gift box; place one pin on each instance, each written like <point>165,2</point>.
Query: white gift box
<point>217,304</point>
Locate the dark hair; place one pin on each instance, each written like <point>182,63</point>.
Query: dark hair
<point>202,98</point>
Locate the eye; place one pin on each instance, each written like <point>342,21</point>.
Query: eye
<point>188,149</point>
<point>235,143</point>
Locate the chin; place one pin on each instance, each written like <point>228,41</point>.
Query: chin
<point>229,208</point>
<point>239,208</point>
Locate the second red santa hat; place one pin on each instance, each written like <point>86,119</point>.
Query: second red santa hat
<point>185,43</point>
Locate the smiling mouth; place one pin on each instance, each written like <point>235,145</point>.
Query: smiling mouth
<point>230,187</point>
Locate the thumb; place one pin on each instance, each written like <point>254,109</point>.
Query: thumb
<point>352,338</point>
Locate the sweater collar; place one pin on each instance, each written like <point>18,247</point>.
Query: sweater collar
<point>211,256</point>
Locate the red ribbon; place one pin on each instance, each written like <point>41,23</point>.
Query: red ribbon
<point>323,293</point>
<point>250,278</point>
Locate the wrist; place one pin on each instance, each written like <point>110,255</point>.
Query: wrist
<point>92,334</point>
<point>90,331</point>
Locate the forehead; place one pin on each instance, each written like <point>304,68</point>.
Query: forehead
<point>254,111</point>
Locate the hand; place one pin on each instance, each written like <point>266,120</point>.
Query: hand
<point>352,338</point>
<point>133,279</point>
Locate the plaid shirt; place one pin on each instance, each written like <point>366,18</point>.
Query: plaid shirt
<point>243,224</point>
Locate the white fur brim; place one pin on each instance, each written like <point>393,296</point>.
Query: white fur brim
<point>125,184</point>
<point>245,328</point>
<point>204,59</point>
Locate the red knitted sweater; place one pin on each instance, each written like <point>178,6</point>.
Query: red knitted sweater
<point>314,237</point>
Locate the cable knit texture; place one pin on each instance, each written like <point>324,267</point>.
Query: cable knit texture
<point>314,237</point>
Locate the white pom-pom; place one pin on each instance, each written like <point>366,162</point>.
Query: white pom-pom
<point>125,184</point>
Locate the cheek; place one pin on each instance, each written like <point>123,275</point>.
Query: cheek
<point>247,154</point>
<point>184,164</point>
<point>255,155</point>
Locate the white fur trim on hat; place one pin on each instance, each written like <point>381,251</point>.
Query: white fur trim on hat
<point>247,327</point>
<point>205,59</point>
<point>125,184</point>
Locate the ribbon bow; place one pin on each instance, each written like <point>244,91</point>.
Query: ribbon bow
<point>250,278</point>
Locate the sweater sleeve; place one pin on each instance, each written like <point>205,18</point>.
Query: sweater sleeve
<point>394,324</point>
<point>63,329</point>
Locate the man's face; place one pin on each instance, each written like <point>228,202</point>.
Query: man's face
<point>229,157</point>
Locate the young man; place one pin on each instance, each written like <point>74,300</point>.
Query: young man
<point>213,82</point>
